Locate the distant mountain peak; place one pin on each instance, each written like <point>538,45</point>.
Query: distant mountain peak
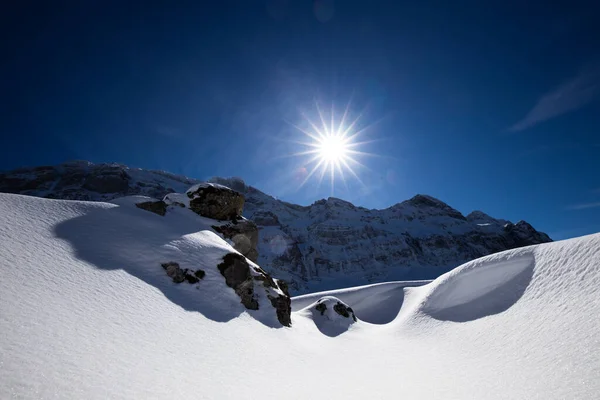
<point>329,244</point>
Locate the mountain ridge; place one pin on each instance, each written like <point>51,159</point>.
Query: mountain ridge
<point>325,245</point>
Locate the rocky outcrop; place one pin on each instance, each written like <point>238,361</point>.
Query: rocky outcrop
<point>245,279</point>
<point>343,310</point>
<point>244,235</point>
<point>178,274</point>
<point>215,201</point>
<point>83,180</point>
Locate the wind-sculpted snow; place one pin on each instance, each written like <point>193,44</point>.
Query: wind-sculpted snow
<point>86,312</point>
<point>481,288</point>
<point>379,303</point>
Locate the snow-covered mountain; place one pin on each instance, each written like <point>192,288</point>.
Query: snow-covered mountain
<point>87,311</point>
<point>329,244</point>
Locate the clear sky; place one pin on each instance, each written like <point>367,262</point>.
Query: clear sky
<point>490,105</point>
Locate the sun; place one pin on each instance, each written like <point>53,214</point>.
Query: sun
<point>333,148</point>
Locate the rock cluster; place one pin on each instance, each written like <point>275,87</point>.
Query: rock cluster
<point>178,274</point>
<point>244,279</point>
<point>339,307</point>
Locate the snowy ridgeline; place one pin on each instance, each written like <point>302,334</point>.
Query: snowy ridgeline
<point>327,245</point>
<point>87,311</point>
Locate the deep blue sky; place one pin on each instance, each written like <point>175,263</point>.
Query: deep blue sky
<point>489,105</point>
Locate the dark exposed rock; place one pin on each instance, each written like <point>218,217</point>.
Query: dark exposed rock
<point>42,178</point>
<point>157,207</point>
<point>321,307</point>
<point>236,271</point>
<point>216,202</point>
<point>179,275</point>
<point>244,234</point>
<point>238,275</point>
<point>174,271</point>
<point>265,279</point>
<point>523,234</point>
<point>283,285</point>
<point>283,309</point>
<point>344,310</point>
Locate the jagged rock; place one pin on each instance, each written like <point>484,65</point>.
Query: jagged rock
<point>241,277</point>
<point>157,207</point>
<point>195,276</point>
<point>344,310</point>
<point>283,308</point>
<point>523,234</point>
<point>236,271</point>
<point>175,272</point>
<point>321,307</point>
<point>244,234</point>
<point>216,201</point>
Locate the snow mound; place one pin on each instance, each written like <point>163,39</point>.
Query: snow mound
<point>483,287</point>
<point>331,315</point>
<point>378,303</point>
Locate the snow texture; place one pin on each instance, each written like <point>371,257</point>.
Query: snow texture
<point>87,312</point>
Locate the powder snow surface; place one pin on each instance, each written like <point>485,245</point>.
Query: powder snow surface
<point>86,311</point>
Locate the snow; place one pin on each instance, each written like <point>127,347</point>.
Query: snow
<point>327,320</point>
<point>86,311</point>
<point>201,185</point>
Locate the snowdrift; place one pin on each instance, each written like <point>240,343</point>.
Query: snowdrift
<point>86,313</point>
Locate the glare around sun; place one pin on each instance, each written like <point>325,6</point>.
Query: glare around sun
<point>332,148</point>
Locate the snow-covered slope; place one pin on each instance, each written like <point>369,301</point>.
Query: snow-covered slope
<point>329,244</point>
<point>86,313</point>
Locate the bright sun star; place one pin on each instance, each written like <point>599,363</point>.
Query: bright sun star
<point>332,149</point>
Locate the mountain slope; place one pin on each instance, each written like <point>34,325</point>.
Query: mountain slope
<point>520,324</point>
<point>329,244</point>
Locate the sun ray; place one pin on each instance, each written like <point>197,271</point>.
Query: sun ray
<point>322,120</point>
<point>315,128</point>
<point>311,173</point>
<point>354,174</point>
<point>339,168</point>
